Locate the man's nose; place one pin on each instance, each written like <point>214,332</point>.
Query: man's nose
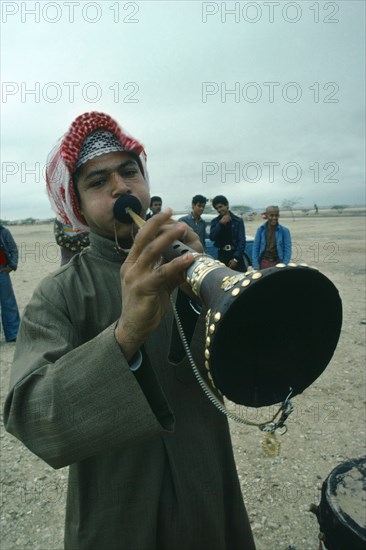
<point>119,185</point>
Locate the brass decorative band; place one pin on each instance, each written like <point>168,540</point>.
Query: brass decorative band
<point>199,269</point>
<point>211,319</point>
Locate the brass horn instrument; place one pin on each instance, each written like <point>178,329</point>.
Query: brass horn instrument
<point>267,331</point>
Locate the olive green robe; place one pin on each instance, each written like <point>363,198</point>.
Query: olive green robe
<point>151,463</point>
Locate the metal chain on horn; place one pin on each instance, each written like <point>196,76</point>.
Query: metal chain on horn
<point>268,427</point>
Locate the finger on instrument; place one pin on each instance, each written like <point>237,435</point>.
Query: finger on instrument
<point>154,237</point>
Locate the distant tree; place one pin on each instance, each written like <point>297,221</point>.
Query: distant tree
<point>28,221</point>
<point>339,207</point>
<point>289,204</point>
<point>305,211</point>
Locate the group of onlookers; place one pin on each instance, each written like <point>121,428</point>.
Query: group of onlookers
<point>272,243</point>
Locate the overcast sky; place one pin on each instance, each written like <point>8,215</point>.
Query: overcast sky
<point>259,101</point>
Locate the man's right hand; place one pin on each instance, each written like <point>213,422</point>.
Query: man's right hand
<point>226,218</point>
<point>146,283</point>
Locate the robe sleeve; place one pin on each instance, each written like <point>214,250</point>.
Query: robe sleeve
<point>69,400</point>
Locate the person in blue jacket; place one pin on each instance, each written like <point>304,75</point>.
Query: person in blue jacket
<point>8,263</point>
<point>194,219</point>
<point>228,233</point>
<point>272,243</point>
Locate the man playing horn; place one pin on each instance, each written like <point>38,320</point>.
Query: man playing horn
<point>150,459</point>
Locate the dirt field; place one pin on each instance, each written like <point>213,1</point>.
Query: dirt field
<point>326,428</point>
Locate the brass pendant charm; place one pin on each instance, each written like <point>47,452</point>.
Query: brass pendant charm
<point>270,444</point>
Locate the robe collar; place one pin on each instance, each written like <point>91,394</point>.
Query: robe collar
<point>105,248</point>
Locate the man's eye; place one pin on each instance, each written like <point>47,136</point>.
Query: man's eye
<point>129,173</point>
<point>97,183</point>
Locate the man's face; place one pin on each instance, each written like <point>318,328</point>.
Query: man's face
<point>155,207</point>
<point>197,209</point>
<point>102,180</point>
<point>222,209</point>
<point>272,215</point>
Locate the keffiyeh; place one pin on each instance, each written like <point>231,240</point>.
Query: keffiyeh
<point>90,134</point>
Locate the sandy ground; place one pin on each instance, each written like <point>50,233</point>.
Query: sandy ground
<point>326,428</point>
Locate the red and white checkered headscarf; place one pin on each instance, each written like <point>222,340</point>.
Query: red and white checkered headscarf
<point>64,157</point>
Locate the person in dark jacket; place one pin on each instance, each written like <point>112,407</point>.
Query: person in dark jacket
<point>228,234</point>
<point>8,263</point>
<point>155,206</point>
